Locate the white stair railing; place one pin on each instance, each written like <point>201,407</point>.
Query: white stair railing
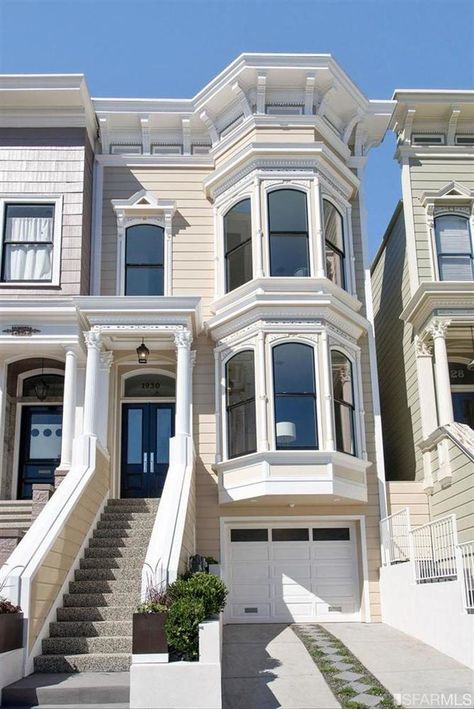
<point>395,537</point>
<point>467,558</point>
<point>434,550</point>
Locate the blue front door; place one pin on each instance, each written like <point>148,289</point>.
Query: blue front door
<point>40,447</point>
<point>463,405</point>
<point>146,432</point>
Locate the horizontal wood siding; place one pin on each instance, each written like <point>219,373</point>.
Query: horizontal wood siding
<point>54,163</point>
<point>401,494</point>
<point>457,498</point>
<point>398,379</point>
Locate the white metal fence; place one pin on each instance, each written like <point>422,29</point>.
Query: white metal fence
<point>433,550</point>
<point>467,557</point>
<point>395,537</point>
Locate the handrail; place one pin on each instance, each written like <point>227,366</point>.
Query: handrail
<point>161,565</point>
<point>395,537</point>
<point>467,558</point>
<point>434,550</point>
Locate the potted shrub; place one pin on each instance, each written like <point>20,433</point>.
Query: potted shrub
<point>149,624</point>
<point>11,626</point>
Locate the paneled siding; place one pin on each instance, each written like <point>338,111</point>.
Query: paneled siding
<point>458,498</point>
<point>398,379</point>
<point>432,175</point>
<point>402,494</point>
<point>56,162</point>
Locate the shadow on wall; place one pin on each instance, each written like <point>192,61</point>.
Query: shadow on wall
<point>399,446</point>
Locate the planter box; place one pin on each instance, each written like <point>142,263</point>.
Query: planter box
<point>149,637</point>
<point>11,631</point>
<point>181,685</point>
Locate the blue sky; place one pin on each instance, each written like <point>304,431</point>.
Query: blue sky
<point>172,48</point>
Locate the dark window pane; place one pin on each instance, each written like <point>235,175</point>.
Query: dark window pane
<point>237,225</point>
<point>459,374</point>
<point>145,245</point>
<point>344,423</point>
<point>144,280</point>
<point>342,377</point>
<point>463,405</point>
<point>249,535</point>
<point>333,226</point>
<point>295,419</point>
<point>334,266</point>
<point>239,266</point>
<point>54,382</point>
<point>331,534</point>
<point>134,436</point>
<point>30,211</point>
<point>289,255</point>
<point>240,378</point>
<point>287,211</point>
<point>149,385</point>
<point>290,535</point>
<point>242,429</point>
<point>293,368</point>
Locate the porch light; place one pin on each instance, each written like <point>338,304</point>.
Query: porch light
<point>41,388</point>
<point>286,432</point>
<point>142,353</point>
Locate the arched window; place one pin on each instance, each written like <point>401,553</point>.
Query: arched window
<point>240,404</point>
<point>295,396</point>
<point>343,393</point>
<point>334,242</point>
<point>454,246</point>
<point>238,245</point>
<point>52,385</point>
<point>144,260</point>
<point>288,233</point>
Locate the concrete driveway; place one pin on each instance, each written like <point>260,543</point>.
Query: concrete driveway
<point>265,666</point>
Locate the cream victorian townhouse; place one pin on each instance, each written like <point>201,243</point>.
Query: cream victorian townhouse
<point>423,289</point>
<point>185,309</point>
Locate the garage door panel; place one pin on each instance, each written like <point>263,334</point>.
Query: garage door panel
<point>251,611</point>
<point>248,593</point>
<point>282,551</point>
<point>256,551</point>
<point>250,572</point>
<point>293,611</point>
<point>335,572</point>
<point>330,551</point>
<point>292,571</point>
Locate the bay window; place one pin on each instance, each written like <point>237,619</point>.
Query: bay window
<point>343,394</point>
<point>238,245</point>
<point>454,248</point>
<point>288,233</point>
<point>240,404</point>
<point>334,244</point>
<point>28,238</point>
<point>294,396</point>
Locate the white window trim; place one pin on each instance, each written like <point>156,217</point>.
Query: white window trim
<point>221,385</point>
<point>144,208</point>
<point>345,211</point>
<point>220,214</point>
<point>57,202</point>
<point>359,438</point>
<point>442,211</point>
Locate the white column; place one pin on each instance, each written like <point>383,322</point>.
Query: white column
<point>183,383</point>
<point>106,360</point>
<point>259,270</point>
<point>261,382</point>
<point>218,388</point>
<point>69,408</point>
<point>328,423</point>
<point>320,271</point>
<point>426,387</point>
<point>438,330</point>
<point>94,345</point>
<point>3,404</point>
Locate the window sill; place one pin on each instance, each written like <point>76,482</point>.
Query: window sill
<point>310,476</point>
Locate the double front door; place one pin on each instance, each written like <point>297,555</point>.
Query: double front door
<point>146,432</point>
<point>40,447</point>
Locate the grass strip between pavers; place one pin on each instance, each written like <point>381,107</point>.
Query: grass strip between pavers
<point>341,689</point>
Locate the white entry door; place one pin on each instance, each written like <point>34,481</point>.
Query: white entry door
<point>292,572</point>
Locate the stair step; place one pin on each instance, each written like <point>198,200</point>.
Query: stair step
<point>125,563</point>
<point>109,552</point>
<point>103,586</point>
<point>111,662</point>
<point>139,543</point>
<point>81,645</point>
<point>118,501</point>
<point>123,515</point>
<point>16,524</point>
<point>91,629</point>
<point>96,613</point>
<point>84,600</point>
<point>127,575</point>
<point>134,532</point>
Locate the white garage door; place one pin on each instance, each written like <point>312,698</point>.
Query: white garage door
<point>292,572</point>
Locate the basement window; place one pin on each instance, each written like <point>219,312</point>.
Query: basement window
<point>427,139</point>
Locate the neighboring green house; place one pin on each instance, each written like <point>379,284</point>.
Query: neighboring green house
<point>423,291</point>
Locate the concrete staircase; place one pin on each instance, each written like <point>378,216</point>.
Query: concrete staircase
<point>15,520</point>
<point>93,630</point>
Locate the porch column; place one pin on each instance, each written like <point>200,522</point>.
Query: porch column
<point>328,427</point>
<point>69,408</point>
<point>106,360</point>
<point>94,346</point>
<point>426,386</point>
<point>438,329</point>
<point>3,404</point>
<point>183,383</point>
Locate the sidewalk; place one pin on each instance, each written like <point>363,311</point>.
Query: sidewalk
<point>415,673</point>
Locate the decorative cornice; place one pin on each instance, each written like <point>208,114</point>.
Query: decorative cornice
<point>183,339</point>
<point>93,340</point>
<point>438,327</point>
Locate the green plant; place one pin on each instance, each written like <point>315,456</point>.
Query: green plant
<point>182,626</point>
<point>211,560</point>
<point>8,607</point>
<point>207,588</point>
<point>156,601</point>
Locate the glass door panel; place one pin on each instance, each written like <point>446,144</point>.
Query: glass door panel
<point>40,447</point>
